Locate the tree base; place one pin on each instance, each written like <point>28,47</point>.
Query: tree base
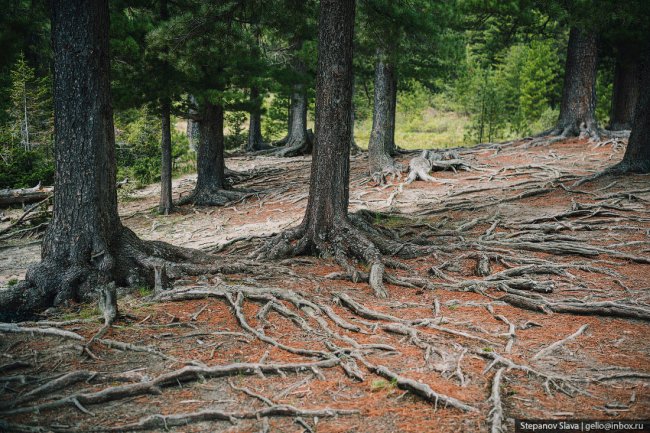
<point>297,146</point>
<point>132,262</point>
<point>387,169</point>
<point>212,197</point>
<point>353,238</point>
<point>559,133</point>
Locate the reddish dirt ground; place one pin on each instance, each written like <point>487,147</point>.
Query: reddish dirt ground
<point>516,207</point>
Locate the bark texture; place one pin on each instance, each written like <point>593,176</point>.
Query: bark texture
<point>626,87</point>
<point>85,246</point>
<point>637,154</point>
<point>192,125</point>
<point>381,146</point>
<point>165,206</point>
<point>326,227</point>
<point>82,246</point>
<point>578,109</point>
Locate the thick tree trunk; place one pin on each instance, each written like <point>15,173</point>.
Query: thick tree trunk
<point>381,146</point>
<point>327,206</point>
<point>83,246</point>
<point>209,160</point>
<point>165,206</point>
<point>255,141</point>
<point>626,88</point>
<point>637,154</point>
<point>578,108</point>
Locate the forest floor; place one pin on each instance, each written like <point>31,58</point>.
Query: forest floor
<point>522,260</point>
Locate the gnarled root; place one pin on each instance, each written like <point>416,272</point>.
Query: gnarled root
<point>549,137</point>
<point>296,146</point>
<point>213,197</point>
<point>129,261</point>
<point>350,238</point>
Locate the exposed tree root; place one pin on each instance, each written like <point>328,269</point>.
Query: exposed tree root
<point>548,350</point>
<point>129,262</point>
<point>185,374</point>
<point>354,237</point>
<point>213,197</point>
<point>295,146</point>
<point>417,388</point>
<point>555,135</point>
<point>496,413</point>
<point>165,421</point>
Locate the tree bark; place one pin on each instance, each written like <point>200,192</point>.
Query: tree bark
<point>299,140</point>
<point>210,187</point>
<point>255,141</point>
<point>578,108</point>
<point>626,88</point>
<point>165,206</point>
<point>381,146</point>
<point>637,154</point>
<point>192,131</point>
<point>210,164</point>
<point>81,248</point>
<point>327,206</point>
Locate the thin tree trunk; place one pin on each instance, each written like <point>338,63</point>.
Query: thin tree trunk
<point>637,154</point>
<point>578,108</point>
<point>626,88</point>
<point>381,146</point>
<point>192,126</point>
<point>255,141</point>
<point>165,206</point>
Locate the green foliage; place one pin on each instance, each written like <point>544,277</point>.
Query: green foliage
<point>20,168</point>
<point>512,97</point>
<point>234,125</point>
<point>137,141</point>
<point>274,121</point>
<point>26,136</point>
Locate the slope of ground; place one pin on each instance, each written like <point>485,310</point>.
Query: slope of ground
<point>472,337</point>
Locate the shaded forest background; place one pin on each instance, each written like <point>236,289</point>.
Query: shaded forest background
<point>474,72</point>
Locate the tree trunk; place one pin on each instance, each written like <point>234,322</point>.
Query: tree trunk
<point>192,131</point>
<point>255,140</point>
<point>327,206</point>
<point>299,140</point>
<point>81,248</point>
<point>626,88</point>
<point>637,154</point>
<point>165,206</point>
<point>578,108</point>
<point>209,160</point>
<point>327,228</point>
<point>381,146</point>
<point>210,187</point>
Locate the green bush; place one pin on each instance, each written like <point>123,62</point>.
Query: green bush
<point>236,134</point>
<point>138,153</point>
<point>21,168</point>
